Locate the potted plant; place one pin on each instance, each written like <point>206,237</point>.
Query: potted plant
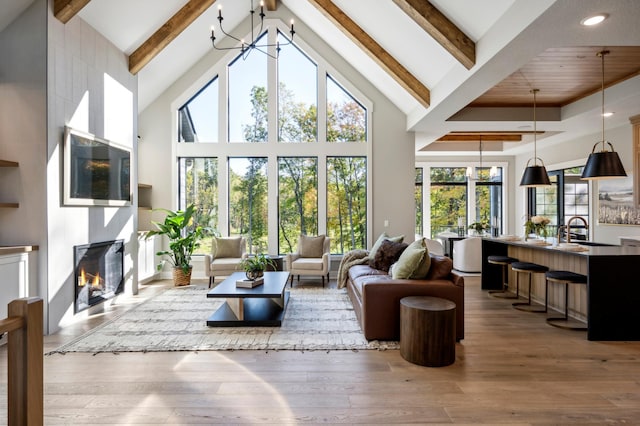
<point>479,227</point>
<point>254,266</point>
<point>183,237</point>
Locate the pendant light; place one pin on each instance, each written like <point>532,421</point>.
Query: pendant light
<point>472,171</point>
<point>604,164</point>
<point>535,174</point>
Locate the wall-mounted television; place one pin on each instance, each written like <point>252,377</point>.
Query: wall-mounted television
<point>97,172</point>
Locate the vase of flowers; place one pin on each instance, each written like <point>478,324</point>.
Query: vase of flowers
<point>478,228</point>
<point>536,225</point>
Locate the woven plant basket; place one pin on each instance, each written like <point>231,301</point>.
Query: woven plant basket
<point>180,278</point>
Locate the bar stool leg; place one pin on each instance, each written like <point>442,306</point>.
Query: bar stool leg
<point>527,306</point>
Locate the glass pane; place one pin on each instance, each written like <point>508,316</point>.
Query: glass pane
<point>347,203</point>
<point>198,184</point>
<point>346,117</point>
<point>248,120</point>
<point>297,96</point>
<point>248,201</point>
<point>198,118</point>
<point>297,200</point>
<point>448,207</point>
<point>419,196</point>
<point>448,175</point>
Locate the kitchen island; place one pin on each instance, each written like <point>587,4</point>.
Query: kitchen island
<point>609,303</point>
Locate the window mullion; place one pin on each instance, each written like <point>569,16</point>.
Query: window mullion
<point>322,104</point>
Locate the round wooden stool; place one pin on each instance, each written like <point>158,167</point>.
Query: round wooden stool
<point>503,261</point>
<point>428,330</point>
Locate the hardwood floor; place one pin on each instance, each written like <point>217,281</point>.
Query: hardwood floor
<point>510,368</point>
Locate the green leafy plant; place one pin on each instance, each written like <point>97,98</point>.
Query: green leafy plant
<point>183,237</point>
<point>257,263</point>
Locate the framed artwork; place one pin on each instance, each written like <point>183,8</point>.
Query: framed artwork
<point>616,204</point>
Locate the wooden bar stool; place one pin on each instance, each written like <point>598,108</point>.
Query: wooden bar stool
<point>530,269</point>
<point>566,278</point>
<point>504,261</point>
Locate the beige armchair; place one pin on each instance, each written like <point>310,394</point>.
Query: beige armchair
<point>225,258</point>
<point>313,258</point>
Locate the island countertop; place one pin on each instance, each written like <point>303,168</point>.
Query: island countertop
<point>587,248</point>
<point>612,293</point>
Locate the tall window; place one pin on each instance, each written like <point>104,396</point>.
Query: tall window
<point>198,184</point>
<point>297,96</point>
<point>197,119</point>
<point>346,203</point>
<point>248,201</point>
<point>448,194</point>
<point>297,200</point>
<point>282,165</point>
<point>567,196</point>
<point>419,197</point>
<point>346,117</point>
<point>248,96</point>
<point>488,198</point>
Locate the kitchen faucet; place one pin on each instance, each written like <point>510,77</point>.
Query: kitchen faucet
<point>571,219</point>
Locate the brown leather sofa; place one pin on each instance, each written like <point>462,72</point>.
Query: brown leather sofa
<point>376,296</point>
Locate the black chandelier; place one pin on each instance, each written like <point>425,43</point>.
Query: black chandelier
<point>245,47</point>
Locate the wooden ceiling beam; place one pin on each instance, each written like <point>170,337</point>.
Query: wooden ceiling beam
<point>374,50</point>
<point>167,33</point>
<point>438,26</point>
<point>485,138</point>
<point>271,5</point>
<point>64,10</point>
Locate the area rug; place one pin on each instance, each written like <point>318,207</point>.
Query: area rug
<point>175,320</point>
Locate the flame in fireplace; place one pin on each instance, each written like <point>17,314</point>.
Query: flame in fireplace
<point>95,283</point>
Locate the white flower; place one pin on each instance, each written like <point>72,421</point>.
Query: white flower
<point>537,219</point>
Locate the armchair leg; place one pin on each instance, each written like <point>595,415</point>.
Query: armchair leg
<point>210,281</point>
<point>323,281</point>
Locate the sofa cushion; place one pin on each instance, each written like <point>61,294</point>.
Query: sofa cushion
<point>228,246</point>
<point>381,238</point>
<point>357,271</point>
<point>387,254</point>
<point>413,263</point>
<point>311,246</point>
<point>440,269</point>
<point>308,264</point>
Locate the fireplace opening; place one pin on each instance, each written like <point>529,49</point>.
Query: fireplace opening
<point>99,272</point>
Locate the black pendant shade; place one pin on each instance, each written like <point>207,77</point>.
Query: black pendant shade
<point>603,165</point>
<point>535,176</point>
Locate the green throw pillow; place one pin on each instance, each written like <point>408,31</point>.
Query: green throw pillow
<point>381,238</point>
<point>414,262</point>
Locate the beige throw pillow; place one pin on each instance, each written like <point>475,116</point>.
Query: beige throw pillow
<point>228,247</point>
<point>414,262</point>
<point>311,246</point>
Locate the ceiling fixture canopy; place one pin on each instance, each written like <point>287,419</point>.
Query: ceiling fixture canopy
<point>472,172</point>
<point>245,47</point>
<point>606,163</point>
<point>535,174</point>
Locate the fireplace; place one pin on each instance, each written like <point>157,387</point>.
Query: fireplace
<point>99,272</point>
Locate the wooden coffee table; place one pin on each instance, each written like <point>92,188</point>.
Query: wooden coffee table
<point>249,307</point>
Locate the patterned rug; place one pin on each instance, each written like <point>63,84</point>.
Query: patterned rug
<point>175,320</point>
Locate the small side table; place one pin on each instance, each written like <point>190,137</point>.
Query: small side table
<point>428,330</point>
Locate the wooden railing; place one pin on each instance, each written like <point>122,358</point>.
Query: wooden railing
<point>24,362</point>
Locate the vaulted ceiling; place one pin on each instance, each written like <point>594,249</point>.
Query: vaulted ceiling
<point>457,68</point>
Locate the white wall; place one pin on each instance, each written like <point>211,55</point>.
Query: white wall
<point>575,152</point>
<point>393,147</point>
<point>89,89</point>
<point>23,132</point>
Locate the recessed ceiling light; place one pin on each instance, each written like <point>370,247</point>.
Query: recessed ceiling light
<point>594,20</point>
<point>607,114</point>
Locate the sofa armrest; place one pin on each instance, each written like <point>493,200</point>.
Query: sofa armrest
<point>458,280</point>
